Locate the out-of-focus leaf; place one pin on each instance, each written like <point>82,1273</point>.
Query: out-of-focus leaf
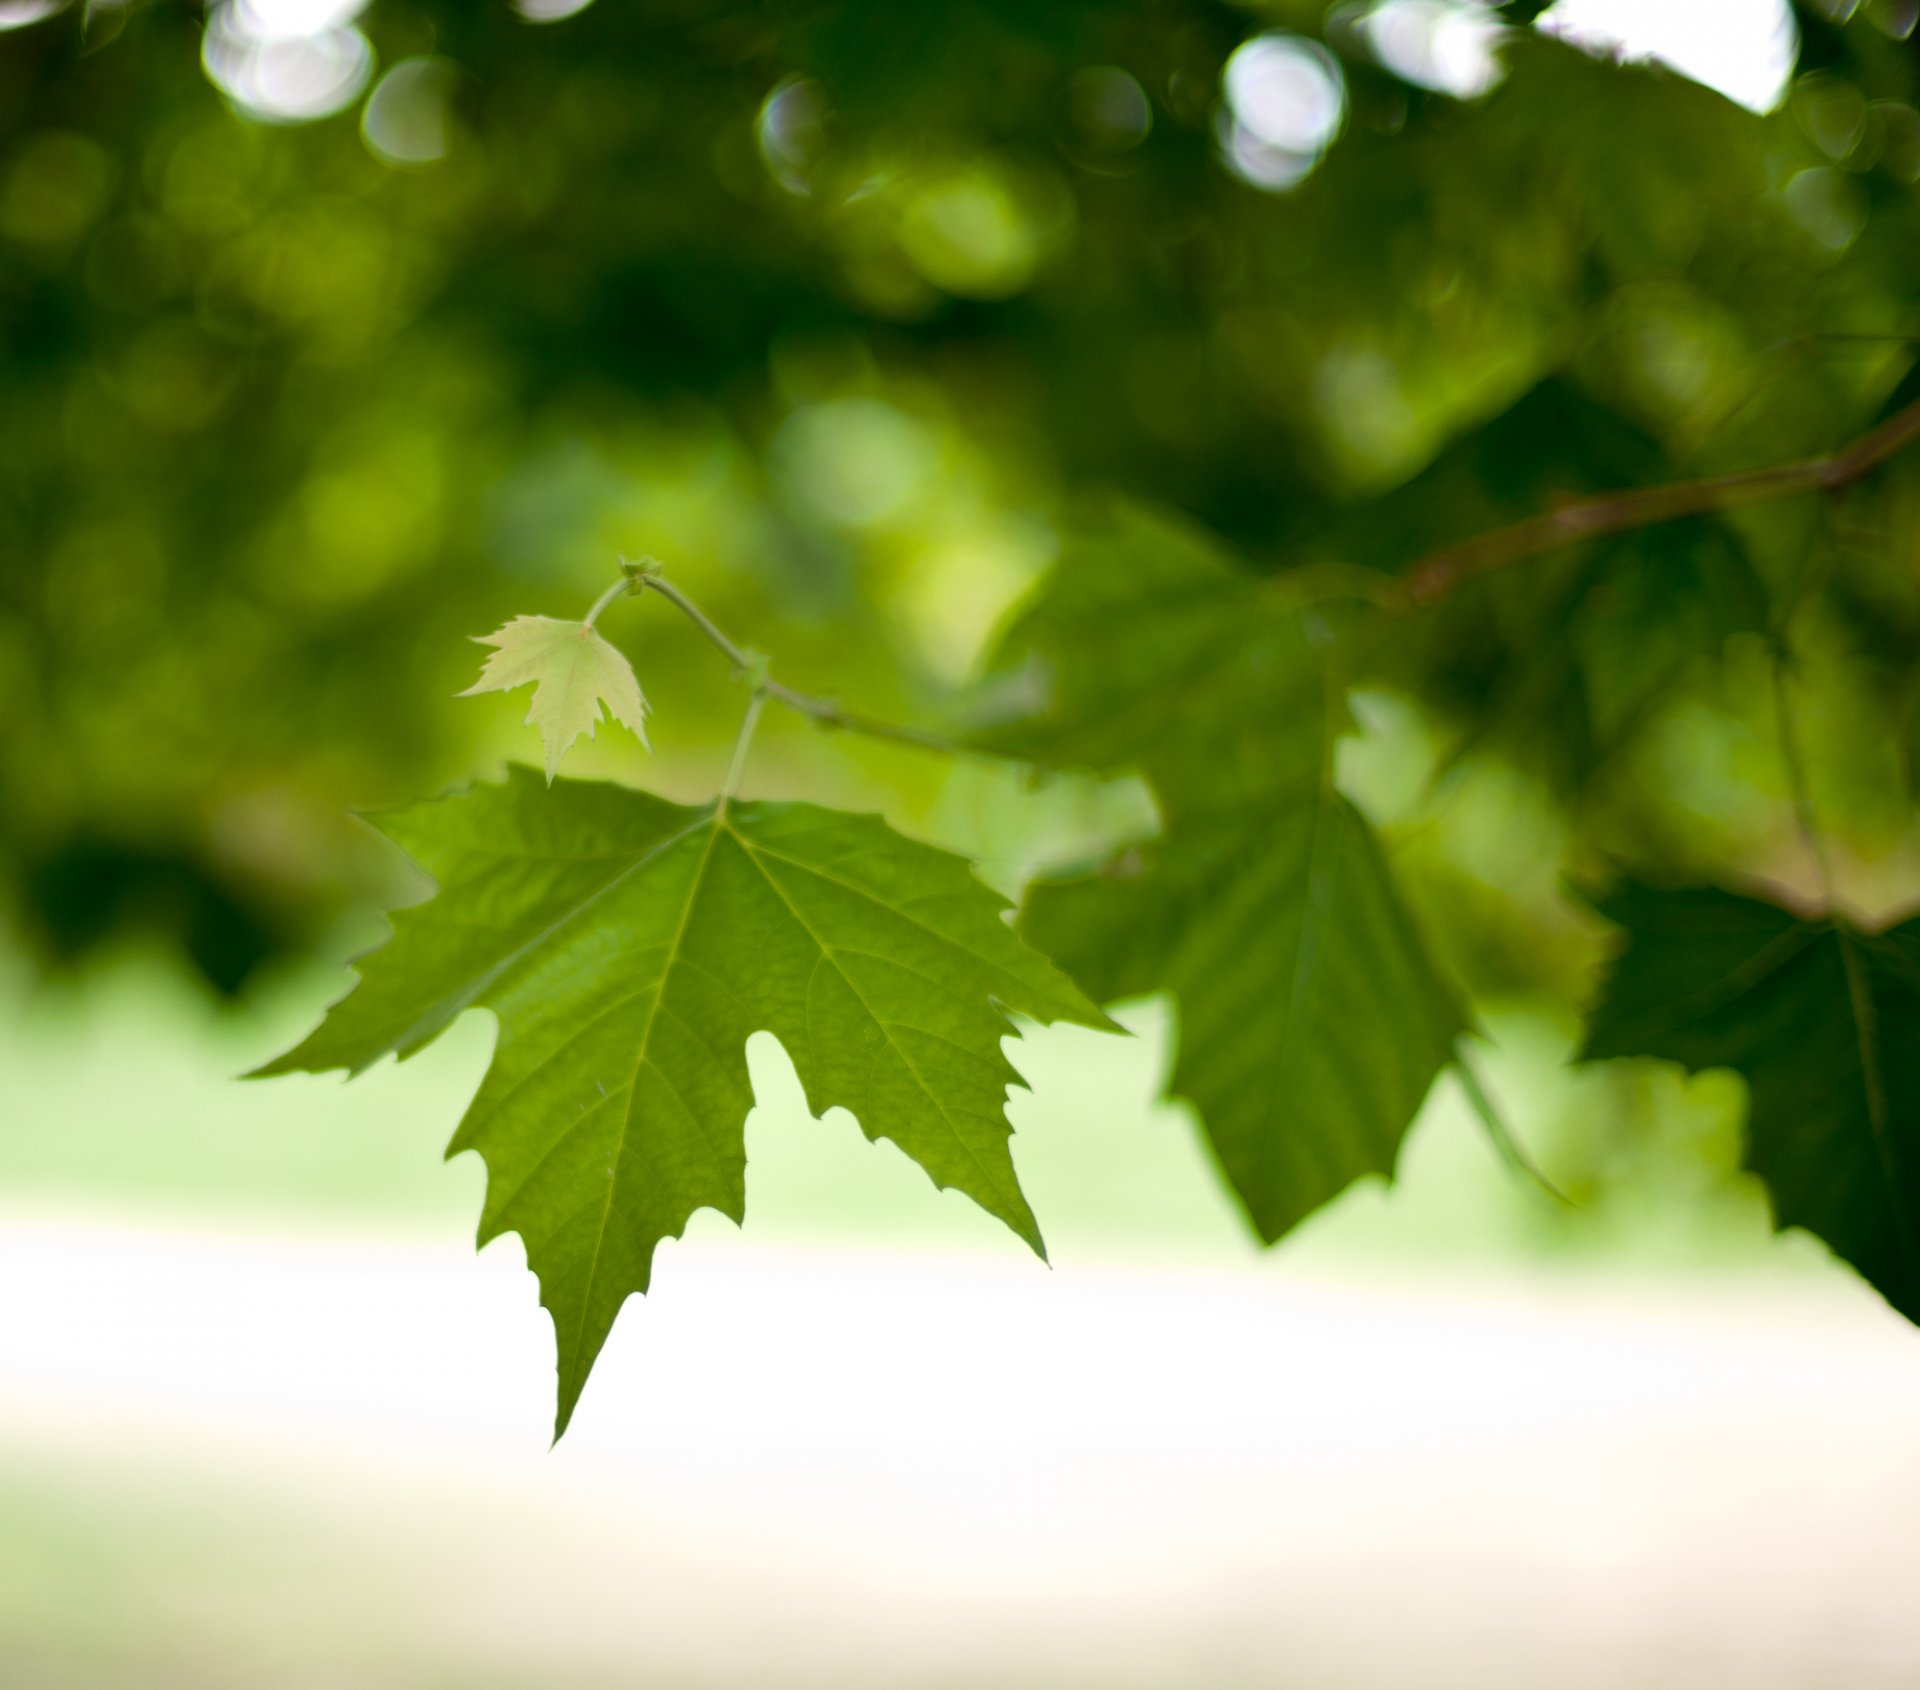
<point>1822,1021</point>
<point>278,419</point>
<point>1311,1023</point>
<point>1673,595</point>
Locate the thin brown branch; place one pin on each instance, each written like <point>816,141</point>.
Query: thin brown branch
<point>1437,574</point>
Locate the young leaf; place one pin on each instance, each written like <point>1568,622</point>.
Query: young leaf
<point>1823,1023</point>
<point>629,947</point>
<point>572,669</point>
<point>1311,1024</point>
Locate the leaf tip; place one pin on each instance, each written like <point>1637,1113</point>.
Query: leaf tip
<point>566,1400</point>
<point>1027,1229</point>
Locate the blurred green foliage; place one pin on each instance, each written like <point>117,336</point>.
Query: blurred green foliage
<point>839,310</point>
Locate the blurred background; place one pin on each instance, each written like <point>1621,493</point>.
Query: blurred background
<point>333,332</point>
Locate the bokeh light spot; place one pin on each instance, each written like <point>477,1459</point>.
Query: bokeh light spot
<point>406,120</point>
<point>856,462</point>
<point>1110,109</point>
<point>57,187</point>
<point>1439,44</point>
<point>967,232</point>
<point>286,20</point>
<point>1285,102</point>
<point>1833,113</point>
<point>1829,205</point>
<point>17,14</point>
<point>287,61</point>
<point>789,130</point>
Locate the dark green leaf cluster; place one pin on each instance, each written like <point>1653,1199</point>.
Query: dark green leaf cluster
<point>1822,1020</point>
<point>819,296</point>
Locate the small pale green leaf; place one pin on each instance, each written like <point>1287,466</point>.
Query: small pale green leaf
<point>629,947</point>
<point>571,669</point>
<point>1823,1023</point>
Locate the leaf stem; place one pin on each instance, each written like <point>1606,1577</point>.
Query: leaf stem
<point>649,579</point>
<point>756,702</point>
<point>1437,574</point>
<point>619,589</point>
<point>646,576</point>
<point>1505,1144</point>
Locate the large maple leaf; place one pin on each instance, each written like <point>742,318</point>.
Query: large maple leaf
<point>628,947</point>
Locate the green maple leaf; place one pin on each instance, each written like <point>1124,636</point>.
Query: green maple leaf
<point>1822,1021</point>
<point>628,947</point>
<point>571,669</point>
<point>1311,1024</point>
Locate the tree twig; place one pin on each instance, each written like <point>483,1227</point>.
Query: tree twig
<point>1426,583</point>
<point>646,577</point>
<point>1437,574</point>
